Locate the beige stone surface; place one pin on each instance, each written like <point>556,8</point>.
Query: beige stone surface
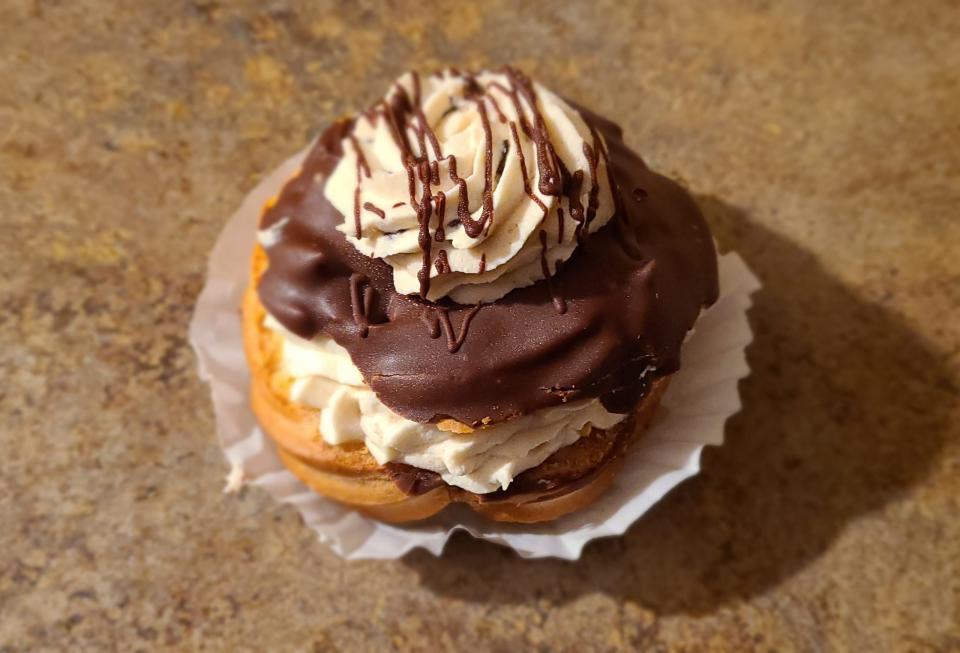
<point>823,140</point>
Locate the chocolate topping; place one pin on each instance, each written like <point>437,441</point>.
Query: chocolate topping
<point>558,301</point>
<point>631,291</point>
<point>375,210</point>
<point>552,181</point>
<point>523,172</point>
<point>413,481</point>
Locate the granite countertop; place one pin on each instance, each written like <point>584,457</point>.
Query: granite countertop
<point>823,143</point>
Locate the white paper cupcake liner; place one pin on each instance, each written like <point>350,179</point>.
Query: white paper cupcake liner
<point>700,398</point>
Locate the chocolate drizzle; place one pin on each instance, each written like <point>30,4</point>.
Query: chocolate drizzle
<point>362,167</point>
<point>394,112</point>
<point>630,297</point>
<point>551,181</point>
<point>504,151</point>
<point>475,227</point>
<point>429,317</point>
<point>576,206</point>
<point>373,209</point>
<point>443,266</point>
<point>593,200</point>
<point>402,113</point>
<point>424,126</point>
<point>463,202</point>
<point>440,200</point>
<point>424,210</point>
<point>360,305</point>
<point>523,170</point>
<point>454,342</point>
<point>496,108</point>
<point>558,300</point>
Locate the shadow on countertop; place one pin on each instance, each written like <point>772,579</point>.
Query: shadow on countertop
<point>845,409</point>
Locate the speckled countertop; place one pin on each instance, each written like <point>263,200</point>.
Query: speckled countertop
<point>823,143</point>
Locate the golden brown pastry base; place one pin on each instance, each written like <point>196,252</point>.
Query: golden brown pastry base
<point>569,480</point>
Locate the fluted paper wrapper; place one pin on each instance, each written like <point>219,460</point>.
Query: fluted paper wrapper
<point>700,398</point>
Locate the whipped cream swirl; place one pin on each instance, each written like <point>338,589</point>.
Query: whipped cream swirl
<point>469,186</point>
<point>485,460</point>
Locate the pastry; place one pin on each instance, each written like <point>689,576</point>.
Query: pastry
<point>471,292</point>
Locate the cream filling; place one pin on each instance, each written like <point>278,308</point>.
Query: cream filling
<point>506,254</point>
<point>483,461</point>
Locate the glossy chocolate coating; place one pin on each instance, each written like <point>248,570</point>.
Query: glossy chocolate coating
<point>631,291</point>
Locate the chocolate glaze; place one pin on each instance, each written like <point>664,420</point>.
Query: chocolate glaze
<point>632,290</point>
<point>413,481</point>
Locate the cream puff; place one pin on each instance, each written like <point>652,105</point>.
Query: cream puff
<point>472,292</point>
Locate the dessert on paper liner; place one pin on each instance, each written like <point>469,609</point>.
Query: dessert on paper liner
<point>692,412</point>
